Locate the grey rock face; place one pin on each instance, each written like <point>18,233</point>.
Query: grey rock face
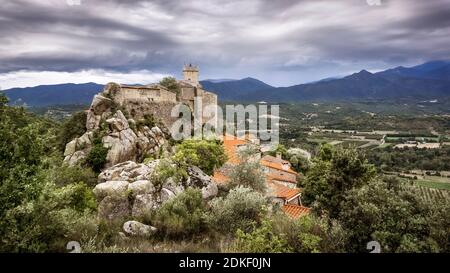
<point>144,204</point>
<point>134,181</point>
<point>114,207</point>
<point>135,228</point>
<point>118,188</point>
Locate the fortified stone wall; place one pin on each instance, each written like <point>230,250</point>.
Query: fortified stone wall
<point>145,94</point>
<point>160,110</point>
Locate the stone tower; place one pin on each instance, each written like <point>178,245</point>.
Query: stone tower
<point>190,73</point>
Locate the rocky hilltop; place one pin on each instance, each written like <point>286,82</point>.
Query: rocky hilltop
<point>126,130</point>
<point>132,183</point>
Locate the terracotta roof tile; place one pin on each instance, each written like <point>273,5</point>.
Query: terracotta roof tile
<point>282,191</point>
<point>277,166</point>
<point>295,211</point>
<point>273,176</point>
<point>230,145</point>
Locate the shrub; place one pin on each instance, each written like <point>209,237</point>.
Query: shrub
<point>205,154</point>
<point>148,120</point>
<point>73,127</point>
<point>96,158</point>
<point>310,234</point>
<point>248,174</point>
<point>165,170</point>
<point>49,222</point>
<point>183,215</point>
<point>240,209</point>
<point>65,175</point>
<point>261,240</point>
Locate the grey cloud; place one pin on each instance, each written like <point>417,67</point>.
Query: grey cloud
<point>286,41</point>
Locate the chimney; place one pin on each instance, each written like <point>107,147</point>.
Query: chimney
<point>278,155</point>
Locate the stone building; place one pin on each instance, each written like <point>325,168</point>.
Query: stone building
<point>159,101</point>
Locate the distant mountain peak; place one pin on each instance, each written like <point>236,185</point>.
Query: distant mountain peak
<point>364,72</point>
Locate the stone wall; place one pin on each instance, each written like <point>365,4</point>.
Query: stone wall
<point>209,99</point>
<point>160,110</point>
<point>145,94</point>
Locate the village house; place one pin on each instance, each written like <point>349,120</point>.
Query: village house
<point>280,178</point>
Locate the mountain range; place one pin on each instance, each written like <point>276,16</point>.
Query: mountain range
<point>430,80</point>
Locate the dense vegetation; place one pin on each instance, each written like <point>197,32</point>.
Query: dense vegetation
<point>44,203</point>
<point>390,159</point>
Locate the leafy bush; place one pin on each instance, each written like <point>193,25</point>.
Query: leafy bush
<point>96,158</point>
<point>240,209</point>
<point>310,234</point>
<point>248,174</point>
<point>261,240</point>
<point>148,120</point>
<point>395,217</point>
<point>165,170</point>
<point>205,154</point>
<point>183,215</point>
<point>64,175</point>
<point>47,223</point>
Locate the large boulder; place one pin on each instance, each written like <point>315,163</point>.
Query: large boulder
<point>135,228</point>
<point>129,171</point>
<point>122,147</point>
<point>144,204</point>
<point>118,188</point>
<point>114,207</point>
<point>101,104</point>
<point>141,187</point>
<point>118,122</point>
<point>75,158</point>
<point>71,147</point>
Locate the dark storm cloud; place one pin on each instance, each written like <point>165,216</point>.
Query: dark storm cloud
<point>283,42</point>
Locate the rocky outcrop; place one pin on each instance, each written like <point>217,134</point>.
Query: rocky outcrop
<point>135,228</point>
<point>114,207</point>
<point>117,132</point>
<point>128,190</point>
<point>197,178</point>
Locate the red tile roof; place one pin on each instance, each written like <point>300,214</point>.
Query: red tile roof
<point>278,177</point>
<point>230,145</point>
<point>278,166</point>
<point>295,211</point>
<point>282,191</point>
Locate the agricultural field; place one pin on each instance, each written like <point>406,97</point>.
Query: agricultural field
<point>434,195</point>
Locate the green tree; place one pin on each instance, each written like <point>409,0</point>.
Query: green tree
<point>73,127</point>
<point>171,84</point>
<point>248,174</point>
<point>395,217</point>
<point>332,175</point>
<point>36,215</point>
<point>205,154</point>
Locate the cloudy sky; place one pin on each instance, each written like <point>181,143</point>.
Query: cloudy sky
<point>281,42</point>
